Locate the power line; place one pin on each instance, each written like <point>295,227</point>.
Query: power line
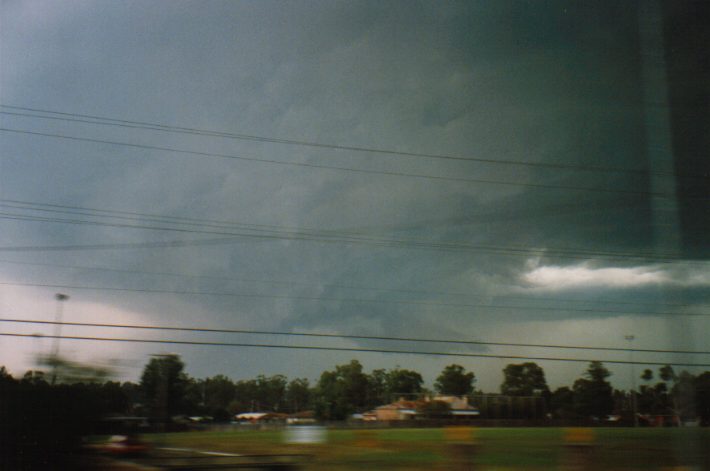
<point>132,215</point>
<point>348,349</point>
<point>356,170</point>
<point>354,239</point>
<point>42,206</point>
<point>347,336</point>
<point>339,286</point>
<point>517,214</point>
<point>249,235</point>
<point>119,246</point>
<point>351,300</point>
<point>104,121</point>
<point>230,240</point>
<point>142,217</point>
<point>221,224</point>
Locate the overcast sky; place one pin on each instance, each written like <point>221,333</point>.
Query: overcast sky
<point>581,248</point>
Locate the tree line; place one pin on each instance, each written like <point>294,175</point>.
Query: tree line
<point>51,411</point>
<point>165,390</point>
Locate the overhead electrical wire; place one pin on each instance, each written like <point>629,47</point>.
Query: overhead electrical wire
<point>105,121</point>
<point>184,221</point>
<point>221,224</point>
<point>316,236</point>
<point>348,349</point>
<point>358,170</point>
<point>230,240</point>
<point>103,212</point>
<point>121,246</point>
<point>133,215</point>
<point>293,233</point>
<point>348,336</point>
<point>306,237</point>
<point>533,296</point>
<point>368,241</point>
<point>352,300</point>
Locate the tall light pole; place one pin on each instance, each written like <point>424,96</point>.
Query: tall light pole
<point>630,339</point>
<point>54,358</point>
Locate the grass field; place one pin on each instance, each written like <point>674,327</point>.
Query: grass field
<point>488,448</point>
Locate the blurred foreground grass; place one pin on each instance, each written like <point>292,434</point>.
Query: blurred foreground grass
<point>494,448</point>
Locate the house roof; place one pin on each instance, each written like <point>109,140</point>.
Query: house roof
<point>401,405</point>
<point>459,406</point>
<point>259,415</point>
<point>252,415</point>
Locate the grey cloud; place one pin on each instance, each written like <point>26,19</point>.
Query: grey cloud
<point>556,82</point>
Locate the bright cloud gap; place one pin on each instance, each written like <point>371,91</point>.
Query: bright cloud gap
<point>556,278</point>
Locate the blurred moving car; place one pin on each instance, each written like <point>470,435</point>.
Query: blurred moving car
<point>125,445</point>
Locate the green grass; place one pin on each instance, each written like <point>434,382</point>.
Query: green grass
<point>493,449</point>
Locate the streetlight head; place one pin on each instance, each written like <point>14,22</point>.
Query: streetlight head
<point>61,297</point>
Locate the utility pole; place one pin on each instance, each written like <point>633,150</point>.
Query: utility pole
<point>54,357</point>
<point>630,339</point>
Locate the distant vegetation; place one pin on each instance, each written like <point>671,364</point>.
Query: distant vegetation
<point>36,413</point>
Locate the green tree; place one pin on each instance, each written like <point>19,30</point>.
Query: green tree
<point>384,386</point>
<point>246,398</point>
<point>562,403</point>
<point>667,374</point>
<point>271,391</point>
<point>217,393</point>
<point>655,399</point>
<point>112,398</point>
<point>659,396</point>
<point>298,394</point>
<point>193,399</point>
<point>35,378</point>
<point>434,409</point>
<point>455,381</point>
<point>5,376</point>
<point>400,381</point>
<point>341,392</point>
<point>702,397</point>
<point>525,379</point>
<point>134,396</point>
<point>44,423</point>
<point>378,388</point>
<point>593,393</point>
<point>683,395</point>
<point>163,384</point>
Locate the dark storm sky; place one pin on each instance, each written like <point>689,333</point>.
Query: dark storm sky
<point>532,254</point>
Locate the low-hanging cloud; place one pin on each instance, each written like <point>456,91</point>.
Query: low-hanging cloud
<point>497,82</point>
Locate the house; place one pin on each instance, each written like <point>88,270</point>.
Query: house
<point>399,410</point>
<point>260,417</point>
<point>408,410</point>
<point>301,418</point>
<point>460,408</point>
